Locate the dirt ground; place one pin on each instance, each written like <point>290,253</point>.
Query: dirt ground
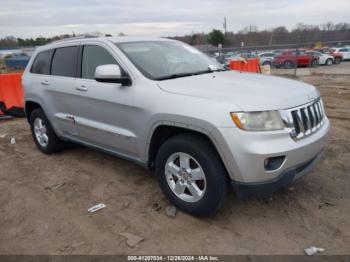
<point>44,201</point>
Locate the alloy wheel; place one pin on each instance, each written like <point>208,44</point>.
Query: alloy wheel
<point>41,132</point>
<point>185,177</point>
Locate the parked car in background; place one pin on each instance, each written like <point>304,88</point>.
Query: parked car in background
<point>326,50</point>
<point>225,59</point>
<point>247,55</point>
<point>323,59</point>
<point>16,61</point>
<point>168,107</point>
<point>290,59</point>
<point>344,51</point>
<point>266,58</point>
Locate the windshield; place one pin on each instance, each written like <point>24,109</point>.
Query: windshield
<point>159,60</point>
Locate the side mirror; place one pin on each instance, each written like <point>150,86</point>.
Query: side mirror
<point>110,74</point>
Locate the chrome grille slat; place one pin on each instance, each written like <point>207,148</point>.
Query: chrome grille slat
<point>300,122</point>
<point>306,119</point>
<point>315,117</point>
<point>316,114</point>
<point>312,118</point>
<point>319,110</point>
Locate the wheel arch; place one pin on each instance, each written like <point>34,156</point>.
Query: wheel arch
<point>29,107</point>
<point>165,130</point>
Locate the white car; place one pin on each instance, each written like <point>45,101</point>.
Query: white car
<point>324,59</point>
<point>266,58</point>
<point>345,51</point>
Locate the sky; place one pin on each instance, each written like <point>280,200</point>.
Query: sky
<point>33,18</point>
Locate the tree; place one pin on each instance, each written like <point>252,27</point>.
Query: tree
<point>249,29</point>
<point>216,37</point>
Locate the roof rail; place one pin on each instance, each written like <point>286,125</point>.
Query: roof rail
<point>75,38</point>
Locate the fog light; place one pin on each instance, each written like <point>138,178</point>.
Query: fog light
<point>273,163</point>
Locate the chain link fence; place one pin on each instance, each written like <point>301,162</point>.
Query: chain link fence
<point>285,56</point>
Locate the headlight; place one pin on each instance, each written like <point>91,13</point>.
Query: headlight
<point>258,121</point>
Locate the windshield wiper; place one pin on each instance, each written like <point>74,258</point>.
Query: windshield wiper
<point>174,76</point>
<point>209,70</point>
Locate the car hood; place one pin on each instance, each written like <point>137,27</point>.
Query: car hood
<point>249,91</point>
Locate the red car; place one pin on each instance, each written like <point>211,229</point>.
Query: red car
<point>289,59</point>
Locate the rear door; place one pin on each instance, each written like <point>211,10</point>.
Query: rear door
<point>106,110</point>
<point>61,91</point>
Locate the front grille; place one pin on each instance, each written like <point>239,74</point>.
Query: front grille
<point>306,119</point>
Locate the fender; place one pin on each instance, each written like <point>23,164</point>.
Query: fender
<point>193,124</point>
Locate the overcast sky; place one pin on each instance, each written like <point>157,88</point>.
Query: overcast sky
<point>32,18</point>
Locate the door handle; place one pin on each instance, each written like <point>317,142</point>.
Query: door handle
<point>81,88</point>
<point>71,118</point>
<point>45,83</point>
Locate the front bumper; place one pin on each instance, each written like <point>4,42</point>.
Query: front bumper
<point>244,153</point>
<point>246,190</point>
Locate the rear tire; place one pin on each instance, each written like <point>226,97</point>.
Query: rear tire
<point>43,134</point>
<point>178,180</point>
<point>337,60</point>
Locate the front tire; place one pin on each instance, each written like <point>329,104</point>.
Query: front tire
<point>329,62</point>
<point>43,134</point>
<point>191,175</point>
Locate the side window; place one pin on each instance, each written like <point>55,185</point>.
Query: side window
<point>343,50</point>
<point>94,56</point>
<point>64,61</point>
<point>42,63</point>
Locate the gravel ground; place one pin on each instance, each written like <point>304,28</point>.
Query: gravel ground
<point>44,201</point>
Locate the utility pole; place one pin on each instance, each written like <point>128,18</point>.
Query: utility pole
<point>225,26</point>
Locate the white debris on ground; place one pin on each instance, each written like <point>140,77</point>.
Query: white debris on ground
<point>171,211</point>
<point>96,207</point>
<point>313,250</point>
<point>3,135</point>
<point>131,239</point>
<point>13,141</point>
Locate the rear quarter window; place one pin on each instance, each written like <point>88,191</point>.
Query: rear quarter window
<point>42,63</point>
<point>64,62</point>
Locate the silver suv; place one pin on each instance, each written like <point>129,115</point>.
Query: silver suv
<point>170,108</point>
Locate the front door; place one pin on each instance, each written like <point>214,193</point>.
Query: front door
<point>105,109</point>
